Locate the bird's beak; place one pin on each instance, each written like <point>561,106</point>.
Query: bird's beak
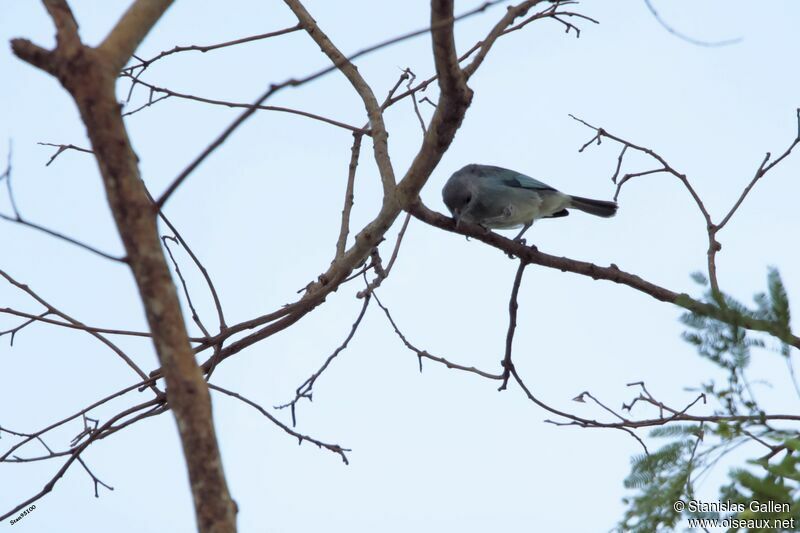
<point>457,218</point>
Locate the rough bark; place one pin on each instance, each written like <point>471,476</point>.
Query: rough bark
<point>89,75</point>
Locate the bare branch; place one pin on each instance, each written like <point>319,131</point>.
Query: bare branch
<point>380,272</point>
<point>619,167</point>
<point>78,325</point>
<point>66,27</point>
<point>137,22</point>
<point>683,36</point>
<point>6,175</point>
<point>66,238</point>
<point>186,294</point>
<point>89,75</point>
<point>609,273</point>
<point>42,317</point>
<point>144,63</point>
<point>169,92</point>
<point>63,148</point>
<point>216,143</point>
<point>763,168</point>
<point>335,448</point>
<point>82,413</point>
<point>31,320</point>
<point>513,13</point>
<point>454,100</point>
<point>378,128</point>
<point>18,219</point>
<point>411,78</point>
<point>305,389</point>
<point>423,354</point>
<point>344,230</point>
<point>712,229</point>
<point>150,101</point>
<point>713,245</point>
<point>445,122</point>
<point>95,479</point>
<point>105,429</point>
<point>294,83</point>
<point>547,13</point>
<point>507,363</point>
<point>587,394</point>
<point>206,276</point>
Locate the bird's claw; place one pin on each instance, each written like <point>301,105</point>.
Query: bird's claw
<point>523,242</point>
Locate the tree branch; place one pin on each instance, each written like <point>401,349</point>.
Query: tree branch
<point>512,324</point>
<point>144,63</point>
<point>379,134</point>
<point>344,229</point>
<point>335,448</point>
<point>89,75</point>
<point>134,25</point>
<point>234,105</point>
<point>305,389</point>
<point>683,36</point>
<point>609,273</point>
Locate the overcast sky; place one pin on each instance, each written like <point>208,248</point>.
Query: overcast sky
<point>440,450</point>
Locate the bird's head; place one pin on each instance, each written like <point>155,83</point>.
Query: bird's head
<point>458,196</point>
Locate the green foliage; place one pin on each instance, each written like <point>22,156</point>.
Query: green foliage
<point>774,306</point>
<point>779,483</point>
<point>659,479</point>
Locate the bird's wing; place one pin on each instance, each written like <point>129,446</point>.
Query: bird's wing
<point>510,178</point>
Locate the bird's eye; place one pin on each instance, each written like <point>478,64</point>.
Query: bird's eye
<point>467,200</point>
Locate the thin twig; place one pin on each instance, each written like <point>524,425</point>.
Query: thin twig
<point>507,363</point>
<point>763,168</point>
<point>95,479</point>
<point>76,452</point>
<point>61,236</point>
<point>144,63</point>
<point>203,270</point>
<point>15,330</point>
<point>195,316</point>
<point>305,389</point>
<point>62,148</point>
<point>335,448</point>
<point>380,272</point>
<point>295,82</point>
<point>349,198</point>
<point>166,93</point>
<point>610,273</point>
<point>683,36</point>
<point>411,78</point>
<point>42,317</point>
<point>53,310</point>
<point>36,435</point>
<point>423,354</point>
<point>17,218</point>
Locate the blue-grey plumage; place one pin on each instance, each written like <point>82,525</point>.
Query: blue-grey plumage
<point>498,198</point>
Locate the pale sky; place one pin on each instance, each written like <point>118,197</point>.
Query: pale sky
<point>441,450</point>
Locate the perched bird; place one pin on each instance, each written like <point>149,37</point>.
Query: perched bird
<point>498,198</point>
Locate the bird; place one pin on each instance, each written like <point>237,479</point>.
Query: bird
<point>499,198</point>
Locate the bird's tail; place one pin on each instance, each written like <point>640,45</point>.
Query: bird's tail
<point>599,208</point>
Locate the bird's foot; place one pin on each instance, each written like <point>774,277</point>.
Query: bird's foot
<point>523,242</point>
